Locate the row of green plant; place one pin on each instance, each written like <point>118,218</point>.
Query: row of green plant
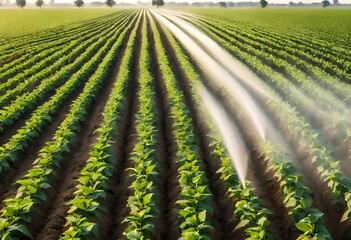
<point>89,201</point>
<point>297,197</point>
<point>270,58</point>
<point>32,77</point>
<point>321,67</point>
<point>194,206</point>
<point>16,212</point>
<point>38,41</point>
<point>301,34</point>
<point>12,70</point>
<point>335,121</point>
<point>43,115</point>
<point>40,61</point>
<point>42,41</point>
<point>323,58</point>
<point>299,131</point>
<point>308,60</point>
<point>325,71</point>
<point>142,205</point>
<point>29,101</point>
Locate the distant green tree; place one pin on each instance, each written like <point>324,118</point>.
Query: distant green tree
<point>223,4</point>
<point>79,3</point>
<point>21,3</point>
<point>158,3</point>
<point>110,3</point>
<point>325,3</point>
<point>336,2</point>
<point>39,3</point>
<point>264,3</point>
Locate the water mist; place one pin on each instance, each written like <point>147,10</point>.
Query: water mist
<point>228,131</point>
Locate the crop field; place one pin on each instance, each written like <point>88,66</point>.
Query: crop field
<point>177,124</point>
<point>15,22</point>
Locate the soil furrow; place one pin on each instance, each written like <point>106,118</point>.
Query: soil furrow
<point>111,225</point>
<point>167,169</point>
<point>26,158</point>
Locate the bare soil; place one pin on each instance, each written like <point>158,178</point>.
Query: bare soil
<point>111,225</point>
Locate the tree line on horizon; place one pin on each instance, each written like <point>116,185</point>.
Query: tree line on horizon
<point>325,3</point>
<point>79,3</point>
<point>158,3</point>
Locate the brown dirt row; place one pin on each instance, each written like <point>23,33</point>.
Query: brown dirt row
<point>9,131</point>
<point>322,196</point>
<point>168,187</point>
<point>111,226</point>
<point>26,158</point>
<point>9,59</point>
<point>223,204</point>
<point>268,189</point>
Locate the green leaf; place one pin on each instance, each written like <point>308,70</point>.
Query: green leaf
<point>345,216</point>
<point>134,235</point>
<point>291,202</point>
<point>241,224</point>
<point>21,228</point>
<point>304,227</point>
<point>147,198</point>
<point>202,216</point>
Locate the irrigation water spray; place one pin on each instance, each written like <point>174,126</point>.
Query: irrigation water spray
<point>233,84</point>
<point>219,74</point>
<point>229,132</point>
